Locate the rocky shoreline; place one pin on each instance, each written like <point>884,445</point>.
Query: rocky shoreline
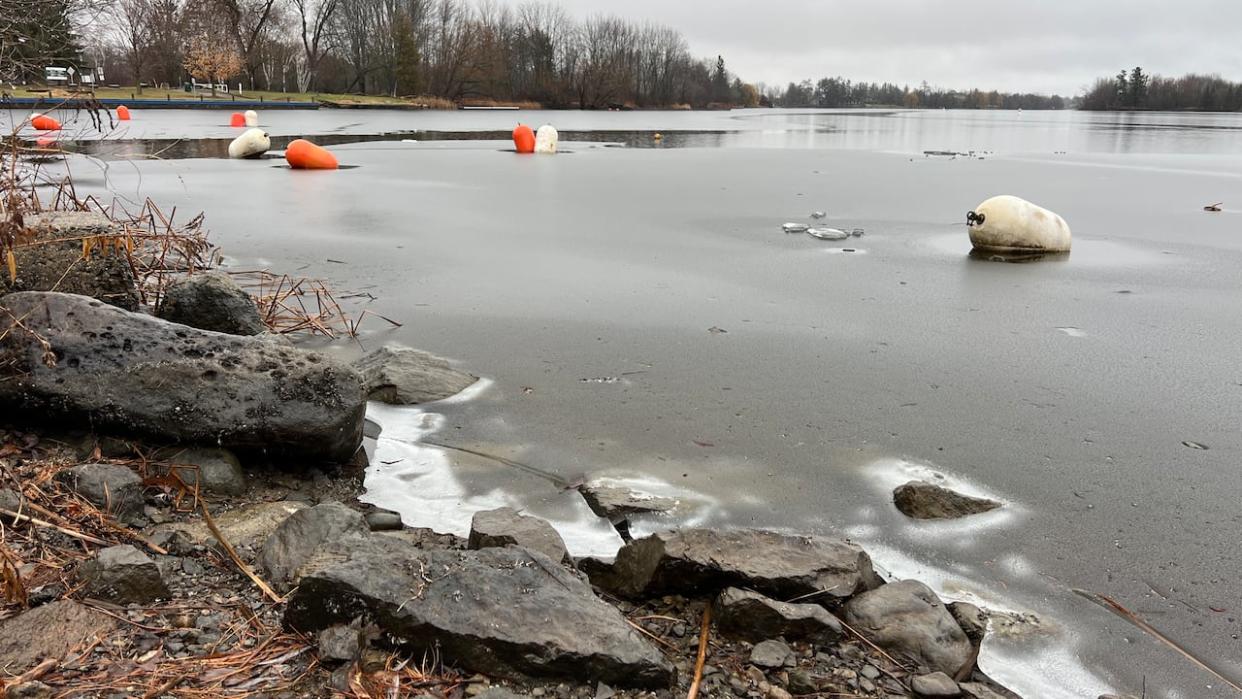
<point>181,519</point>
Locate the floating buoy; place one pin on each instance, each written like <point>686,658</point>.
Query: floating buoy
<point>1008,223</point>
<point>44,122</point>
<point>251,144</point>
<point>524,139</point>
<point>238,119</point>
<point>252,117</point>
<point>546,139</point>
<point>122,113</point>
<point>304,155</point>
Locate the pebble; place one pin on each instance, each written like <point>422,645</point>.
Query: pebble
<point>771,654</point>
<point>871,672</point>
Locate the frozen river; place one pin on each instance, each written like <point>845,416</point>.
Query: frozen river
<point>639,314</point>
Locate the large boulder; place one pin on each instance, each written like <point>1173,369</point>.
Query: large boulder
<point>404,376</point>
<point>54,261</point>
<point>49,631</point>
<point>144,376</point>
<point>501,612</point>
<point>122,575</point>
<point>908,618</point>
<point>114,489</point>
<point>211,301</point>
<point>506,527</point>
<point>923,500</point>
<point>297,537</point>
<point>752,617</point>
<point>706,561</point>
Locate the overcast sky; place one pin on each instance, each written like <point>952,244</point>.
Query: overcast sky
<point>1015,45</point>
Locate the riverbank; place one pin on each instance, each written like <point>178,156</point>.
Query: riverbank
<point>181,506</point>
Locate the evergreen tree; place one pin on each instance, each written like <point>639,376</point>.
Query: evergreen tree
<point>409,78</point>
<point>42,36</point>
<point>720,82</point>
<point>1123,89</point>
<point>1138,87</point>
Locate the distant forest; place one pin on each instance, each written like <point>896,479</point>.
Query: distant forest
<point>1135,89</point>
<point>839,92</point>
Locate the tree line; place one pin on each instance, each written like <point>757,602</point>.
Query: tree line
<point>453,49</point>
<point>840,92</point>
<point>1135,89</point>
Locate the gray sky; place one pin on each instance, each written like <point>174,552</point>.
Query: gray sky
<point>1015,45</point>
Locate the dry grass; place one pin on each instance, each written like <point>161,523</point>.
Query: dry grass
<point>481,102</point>
<point>158,247</point>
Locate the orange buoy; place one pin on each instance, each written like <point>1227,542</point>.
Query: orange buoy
<point>238,119</point>
<point>304,155</point>
<point>524,139</point>
<point>122,113</point>
<point>44,122</point>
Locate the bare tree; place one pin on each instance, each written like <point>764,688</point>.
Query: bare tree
<point>315,19</point>
<point>132,26</point>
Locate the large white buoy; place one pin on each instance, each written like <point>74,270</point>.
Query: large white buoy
<point>546,139</point>
<point>1008,223</point>
<point>252,117</point>
<point>251,144</point>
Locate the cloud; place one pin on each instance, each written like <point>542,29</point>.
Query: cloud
<point>1014,45</point>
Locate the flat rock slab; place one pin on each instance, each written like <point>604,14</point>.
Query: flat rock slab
<point>56,262</point>
<point>501,612</point>
<point>613,501</point>
<point>506,527</point>
<point>923,500</point>
<point>908,618</point>
<point>139,375</point>
<point>706,561</point>
<point>404,376</point>
<point>753,617</point>
<point>50,631</point>
<point>245,527</point>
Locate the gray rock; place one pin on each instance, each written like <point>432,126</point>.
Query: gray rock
<point>499,693</point>
<point>106,276</point>
<point>11,501</point>
<point>506,527</point>
<point>49,631</point>
<point>752,617</point>
<point>211,301</point>
<point>297,537</point>
<point>801,682</point>
<point>122,575</point>
<point>339,644</point>
<point>934,686</point>
<point>29,690</point>
<point>923,500</point>
<point>213,471</point>
<point>404,376</point>
<point>973,620</point>
<point>140,375</point>
<point>705,561</point>
<point>978,690</point>
<point>502,612</point>
<point>771,654</point>
<point>384,521</point>
<point>1118,696</point>
<point>778,693</point>
<point>113,489</point>
<point>618,502</point>
<point>907,617</point>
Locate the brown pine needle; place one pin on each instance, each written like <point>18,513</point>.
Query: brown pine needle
<point>702,658</point>
<point>228,548</point>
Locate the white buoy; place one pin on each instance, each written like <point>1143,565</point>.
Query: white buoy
<point>546,139</point>
<point>1008,223</point>
<point>252,117</point>
<point>251,144</point>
